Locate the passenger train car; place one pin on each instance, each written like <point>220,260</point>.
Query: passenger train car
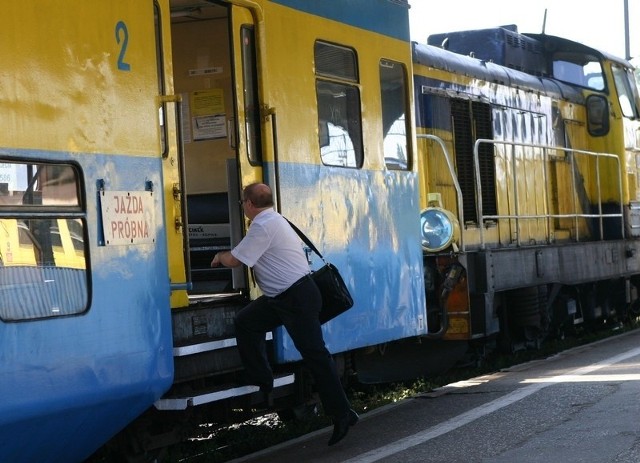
<point>290,93</point>
<point>85,321</point>
<point>459,197</point>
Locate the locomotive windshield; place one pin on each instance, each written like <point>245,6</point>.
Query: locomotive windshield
<point>579,69</point>
<point>627,91</point>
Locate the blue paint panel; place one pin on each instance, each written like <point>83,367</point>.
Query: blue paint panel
<point>71,383</point>
<point>432,111</point>
<point>367,224</point>
<point>385,17</point>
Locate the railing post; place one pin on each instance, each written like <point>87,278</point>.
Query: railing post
<point>516,197</point>
<point>476,167</point>
<point>545,175</point>
<point>454,178</point>
<point>600,219</point>
<point>574,192</point>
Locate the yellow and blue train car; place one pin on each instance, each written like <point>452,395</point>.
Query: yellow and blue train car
<point>529,148</point>
<point>314,99</point>
<point>85,323</point>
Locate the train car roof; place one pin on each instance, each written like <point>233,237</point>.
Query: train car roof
<point>438,58</point>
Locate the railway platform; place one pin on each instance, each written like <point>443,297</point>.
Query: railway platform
<point>582,405</point>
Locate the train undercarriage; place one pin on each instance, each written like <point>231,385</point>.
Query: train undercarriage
<point>523,296</point>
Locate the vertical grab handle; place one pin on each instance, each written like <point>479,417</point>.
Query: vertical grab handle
<point>231,133</point>
<point>180,190</point>
<point>268,112</point>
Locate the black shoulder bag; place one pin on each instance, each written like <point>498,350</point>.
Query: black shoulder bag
<point>335,295</point>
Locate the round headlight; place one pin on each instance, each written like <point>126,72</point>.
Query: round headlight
<point>439,228</point>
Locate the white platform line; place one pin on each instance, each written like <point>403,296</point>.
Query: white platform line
<point>478,412</point>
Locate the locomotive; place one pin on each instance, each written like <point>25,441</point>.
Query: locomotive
<point>466,195</point>
<point>530,149</point>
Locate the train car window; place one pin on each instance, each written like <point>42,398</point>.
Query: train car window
<point>42,242</point>
<point>338,97</point>
<point>45,185</point>
<point>336,61</point>
<point>251,102</point>
<point>393,89</point>
<point>578,69</point>
<point>627,91</point>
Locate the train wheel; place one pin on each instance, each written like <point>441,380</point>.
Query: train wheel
<point>634,310</point>
<point>524,319</point>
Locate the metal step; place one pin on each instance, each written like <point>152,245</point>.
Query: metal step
<point>209,346</point>
<point>182,403</point>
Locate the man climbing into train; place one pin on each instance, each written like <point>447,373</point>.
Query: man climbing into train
<point>290,298</point>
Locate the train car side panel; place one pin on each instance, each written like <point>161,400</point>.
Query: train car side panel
<point>92,349</point>
<point>89,75</point>
<point>349,208</point>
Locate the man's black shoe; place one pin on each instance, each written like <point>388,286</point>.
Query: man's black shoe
<point>341,426</point>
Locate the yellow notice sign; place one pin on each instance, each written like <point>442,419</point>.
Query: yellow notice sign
<point>207,114</point>
<point>207,102</point>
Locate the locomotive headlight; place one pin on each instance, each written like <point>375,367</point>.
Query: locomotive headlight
<point>439,228</point>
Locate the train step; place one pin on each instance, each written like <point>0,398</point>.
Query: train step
<point>224,392</point>
<point>198,348</point>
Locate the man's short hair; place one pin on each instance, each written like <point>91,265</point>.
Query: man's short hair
<point>259,194</point>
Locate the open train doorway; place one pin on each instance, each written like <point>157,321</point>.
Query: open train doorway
<point>215,73</point>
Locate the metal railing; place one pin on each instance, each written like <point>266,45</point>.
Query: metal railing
<point>575,215</point>
<point>570,153</point>
<point>454,178</point>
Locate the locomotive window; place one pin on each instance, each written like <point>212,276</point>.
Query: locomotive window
<point>42,242</point>
<point>578,69</point>
<point>339,120</point>
<point>393,86</point>
<point>627,91</point>
<point>44,186</point>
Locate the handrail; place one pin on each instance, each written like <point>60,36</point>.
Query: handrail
<point>575,215</point>
<point>456,184</point>
<point>180,191</point>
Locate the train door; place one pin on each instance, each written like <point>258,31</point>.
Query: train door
<point>249,142</point>
<point>214,68</point>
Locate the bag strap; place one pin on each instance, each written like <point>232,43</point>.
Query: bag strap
<point>306,240</point>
